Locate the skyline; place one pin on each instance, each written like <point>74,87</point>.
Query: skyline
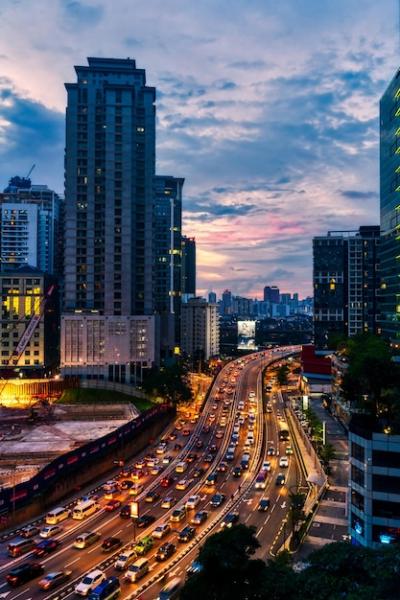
<point>292,95</point>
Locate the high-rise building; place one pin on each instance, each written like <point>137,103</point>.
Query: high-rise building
<point>200,329</point>
<point>30,227</point>
<point>271,294</point>
<point>188,267</point>
<point>212,297</point>
<point>345,283</point>
<point>29,322</point>
<point>167,260</point>
<point>389,295</point>
<point>109,171</point>
<point>227,303</point>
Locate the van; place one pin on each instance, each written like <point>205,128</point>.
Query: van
<point>82,510</point>
<point>20,547</point>
<point>57,515</point>
<point>171,590</point>
<point>125,559</point>
<point>86,539</point>
<point>139,569</point>
<point>181,467</point>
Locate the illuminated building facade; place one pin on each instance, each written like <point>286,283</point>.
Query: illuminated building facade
<point>23,291</point>
<point>389,295</point>
<point>200,329</point>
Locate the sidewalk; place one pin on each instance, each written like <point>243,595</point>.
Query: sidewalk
<point>330,520</point>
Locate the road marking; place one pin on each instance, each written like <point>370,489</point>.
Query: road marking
<point>119,531</point>
<point>267,519</point>
<point>273,508</point>
<point>73,561</point>
<point>259,531</point>
<point>283,505</point>
<point>247,518</point>
<point>21,593</point>
<point>94,548</point>
<point>4,594</point>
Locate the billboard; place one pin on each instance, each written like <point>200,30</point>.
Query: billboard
<point>246,335</point>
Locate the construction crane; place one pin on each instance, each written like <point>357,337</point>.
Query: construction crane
<point>34,321</point>
<point>30,171</point>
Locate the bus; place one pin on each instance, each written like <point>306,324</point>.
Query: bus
<point>283,431</point>
<point>261,480</point>
<point>82,510</point>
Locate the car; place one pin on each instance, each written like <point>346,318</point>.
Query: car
<point>206,429</point>
<point>125,512</point>
<point>266,466</point>
<point>178,515</point>
<point>156,470</point>
<point>198,472</point>
<point>280,479</point>
<point>213,449</point>
<point>208,459</point>
<point>219,434</point>
<point>151,461</point>
<point>186,432</point>
<point>166,481</point>
<point>152,496</point>
<point>222,467</point>
<point>24,573</point>
<point>178,446</point>
<point>50,531</point>
<point>192,502</point>
<point>211,416</point>
<point>172,436</point>
<point>283,462</point>
<point>229,456</point>
<point>186,534</point>
<point>271,451</point>
<point>110,544</point>
<point>263,505</point>
<point>53,579</point>
<point>138,474</point>
<point>89,582</point>
<point>183,484</point>
<point>85,539</point>
<point>191,457</point>
<point>112,505</point>
<point>165,551</point>
<point>289,450</point>
<point>199,518</point>
<point>46,547</point>
<point>126,558</point>
<point>237,472</point>
<point>229,520</point>
<point>217,500</point>
<point>199,444</point>
<point>125,484</point>
<point>145,520</point>
<point>144,545</point>
<point>211,479</point>
<point>168,502</point>
<point>161,530</point>
<point>29,531</point>
<point>166,460</point>
<point>140,464</point>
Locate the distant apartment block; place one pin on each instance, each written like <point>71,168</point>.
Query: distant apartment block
<point>200,329</point>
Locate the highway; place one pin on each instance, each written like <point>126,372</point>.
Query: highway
<point>204,443</point>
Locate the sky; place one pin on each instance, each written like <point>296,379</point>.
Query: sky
<point>269,110</point>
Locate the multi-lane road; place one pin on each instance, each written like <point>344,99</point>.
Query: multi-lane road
<point>232,422</point>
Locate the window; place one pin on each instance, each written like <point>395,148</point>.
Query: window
<point>387,484</point>
<point>357,500</point>
<point>357,452</point>
<point>381,458</point>
<point>357,475</point>
<point>387,510</point>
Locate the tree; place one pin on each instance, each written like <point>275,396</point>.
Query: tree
<point>326,454</point>
<point>297,500</point>
<point>227,569</point>
<point>282,375</point>
<point>169,383</point>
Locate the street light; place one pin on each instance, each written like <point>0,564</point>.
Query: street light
<point>134,515</point>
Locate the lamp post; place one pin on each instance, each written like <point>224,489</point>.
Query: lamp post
<point>134,516</point>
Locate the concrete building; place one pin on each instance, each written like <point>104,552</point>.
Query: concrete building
<point>200,329</point>
<point>212,297</point>
<point>168,260</point>
<point>29,326</point>
<point>271,294</point>
<point>109,171</point>
<point>227,303</point>
<point>345,279</point>
<point>188,267</point>
<point>374,494</point>
<point>30,227</point>
<point>108,347</point>
<point>389,296</point>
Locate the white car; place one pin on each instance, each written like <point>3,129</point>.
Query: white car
<point>192,502</point>
<point>89,582</point>
<point>49,531</point>
<point>266,466</point>
<point>284,461</point>
<point>136,489</point>
<point>162,530</point>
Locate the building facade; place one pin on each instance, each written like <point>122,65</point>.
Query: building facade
<point>29,341</point>
<point>199,329</point>
<point>188,267</point>
<point>109,171</point>
<point>345,280</point>
<point>374,492</point>
<point>108,347</point>
<point>389,296</point>
<point>31,227</point>
<point>271,294</point>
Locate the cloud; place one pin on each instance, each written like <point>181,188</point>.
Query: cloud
<point>81,14</point>
<point>359,195</point>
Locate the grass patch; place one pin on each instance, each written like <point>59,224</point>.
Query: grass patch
<point>94,396</point>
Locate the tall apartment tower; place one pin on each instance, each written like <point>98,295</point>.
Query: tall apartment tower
<point>30,227</point>
<point>271,294</point>
<point>168,260</point>
<point>389,296</point>
<point>200,329</point>
<point>188,267</point>
<point>109,170</point>
<point>345,282</point>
